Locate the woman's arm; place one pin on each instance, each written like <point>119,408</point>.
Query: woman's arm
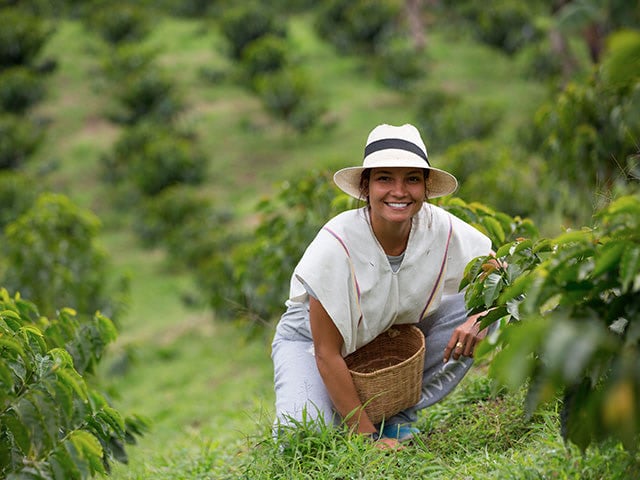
<point>328,342</point>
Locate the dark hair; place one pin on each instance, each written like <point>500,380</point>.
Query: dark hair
<point>365,178</point>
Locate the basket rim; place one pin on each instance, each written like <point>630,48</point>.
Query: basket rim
<point>397,365</point>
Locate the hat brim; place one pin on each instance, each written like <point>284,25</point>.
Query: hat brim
<point>439,182</point>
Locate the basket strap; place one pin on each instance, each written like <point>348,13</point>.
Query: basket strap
<point>440,273</point>
<point>356,286</point>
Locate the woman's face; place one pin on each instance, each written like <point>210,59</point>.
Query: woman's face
<point>396,194</point>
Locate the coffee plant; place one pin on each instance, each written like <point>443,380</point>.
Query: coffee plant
<point>570,308</point>
<point>51,255</point>
<point>53,423</point>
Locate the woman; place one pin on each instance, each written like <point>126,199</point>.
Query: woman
<point>396,260</point>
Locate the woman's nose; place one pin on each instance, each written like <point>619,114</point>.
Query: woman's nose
<point>399,188</point>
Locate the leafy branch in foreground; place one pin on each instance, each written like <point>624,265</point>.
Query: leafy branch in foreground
<point>53,424</point>
<point>573,307</point>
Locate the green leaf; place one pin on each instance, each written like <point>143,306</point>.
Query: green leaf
<point>71,379</point>
<point>516,288</point>
<point>495,230</point>
<point>629,265</point>
<point>493,316</point>
<point>89,449</point>
<point>523,245</point>
<point>573,236</point>
<point>18,430</point>
<point>10,345</point>
<point>608,258</point>
<point>491,290</point>
<point>514,364</point>
<point>505,249</point>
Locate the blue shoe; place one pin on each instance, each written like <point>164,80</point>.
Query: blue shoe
<point>401,432</point>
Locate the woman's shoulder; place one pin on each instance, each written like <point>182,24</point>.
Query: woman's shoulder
<point>346,218</point>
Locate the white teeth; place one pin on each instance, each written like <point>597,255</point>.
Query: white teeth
<point>397,205</point>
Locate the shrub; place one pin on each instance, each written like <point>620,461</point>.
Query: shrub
<point>127,60</point>
<point>153,157</point>
<point>504,178</point>
<point>357,26</point>
<point>22,37</point>
<point>398,65</point>
<point>289,95</point>
<point>505,24</point>
<point>51,255</point>
<point>162,217</point>
<point>445,120</point>
<point>572,304</point>
<point>253,278</point>
<point>148,94</point>
<point>243,24</point>
<point>20,89</point>
<point>19,139</point>
<point>53,423</point>
<point>268,54</point>
<point>17,194</point>
<point>120,22</point>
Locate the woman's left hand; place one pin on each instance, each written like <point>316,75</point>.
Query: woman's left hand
<point>464,339</point>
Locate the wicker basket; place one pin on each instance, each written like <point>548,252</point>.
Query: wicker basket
<point>387,372</point>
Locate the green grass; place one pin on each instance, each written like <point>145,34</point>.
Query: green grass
<point>205,385</point>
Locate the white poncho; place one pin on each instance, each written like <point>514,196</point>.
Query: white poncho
<point>349,272</point>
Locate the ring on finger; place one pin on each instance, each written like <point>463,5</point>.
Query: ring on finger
<point>459,345</point>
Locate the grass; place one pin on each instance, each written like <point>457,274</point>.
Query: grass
<point>205,385</point>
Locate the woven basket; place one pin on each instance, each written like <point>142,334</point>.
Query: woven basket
<point>387,372</point>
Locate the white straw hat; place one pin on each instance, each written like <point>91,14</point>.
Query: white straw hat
<point>391,146</point>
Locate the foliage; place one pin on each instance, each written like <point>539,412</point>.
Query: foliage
<point>259,266</point>
<point>151,157</point>
<point>505,24</point>
<point>51,255</point>
<point>120,22</point>
<point>508,179</point>
<point>574,308</point>
<point>290,95</point>
<point>444,119</point>
<point>186,223</point>
<point>357,26</point>
<point>20,89</point>
<point>397,63</point>
<point>589,133</point>
<point>22,37</point>
<point>498,226</point>
<point>19,139</point>
<point>17,194</point>
<point>128,60</point>
<point>268,54</point>
<point>242,24</point>
<point>147,94</point>
<point>53,424</point>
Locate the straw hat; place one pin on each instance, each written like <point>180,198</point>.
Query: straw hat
<point>391,146</point>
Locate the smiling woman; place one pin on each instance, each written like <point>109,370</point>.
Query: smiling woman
<point>397,260</point>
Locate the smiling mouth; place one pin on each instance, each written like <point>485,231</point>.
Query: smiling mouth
<point>397,204</point>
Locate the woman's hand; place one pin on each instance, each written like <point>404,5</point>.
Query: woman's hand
<point>385,443</point>
<point>465,338</point>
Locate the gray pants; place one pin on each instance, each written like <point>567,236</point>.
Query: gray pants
<point>300,392</point>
